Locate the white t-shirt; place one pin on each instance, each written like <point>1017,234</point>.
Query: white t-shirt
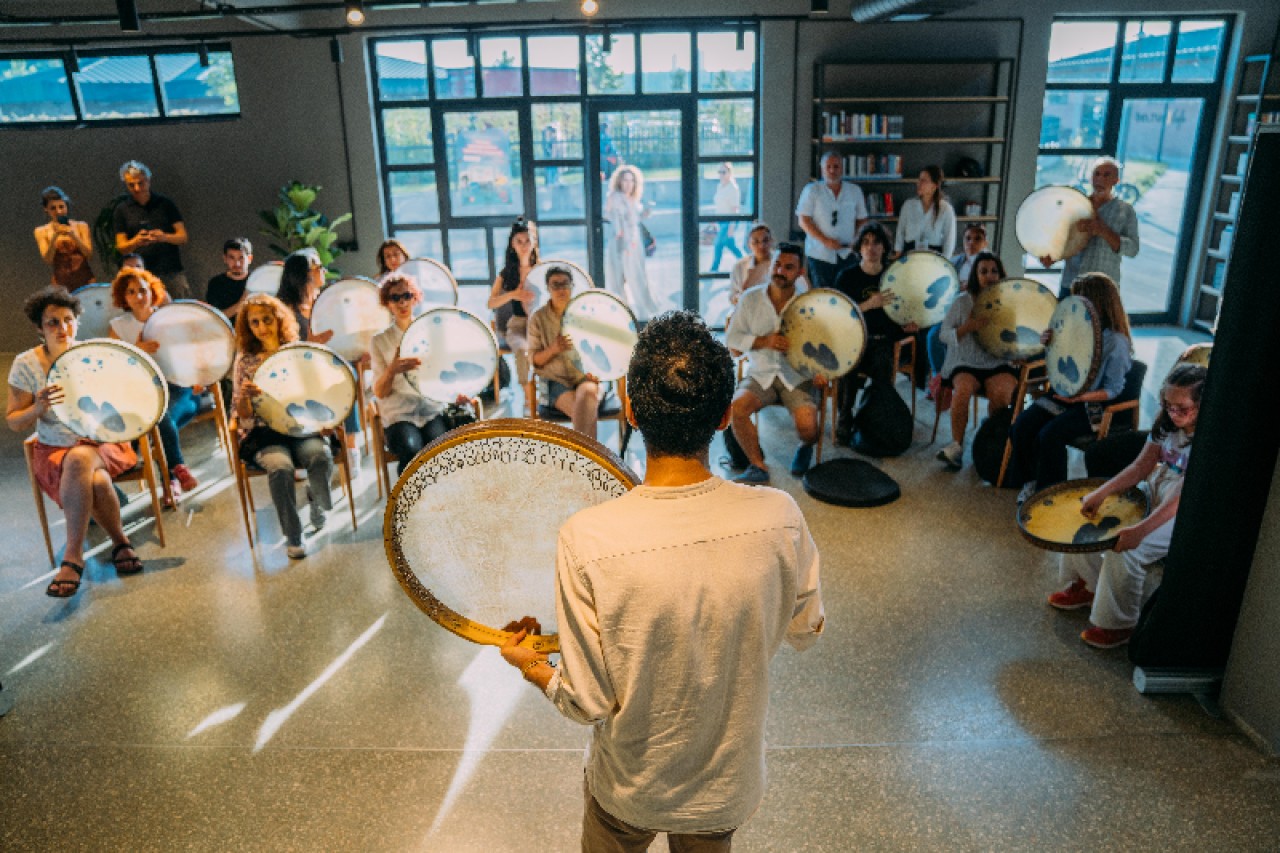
<point>728,198</point>
<point>835,216</point>
<point>925,229</point>
<point>127,327</point>
<point>670,604</point>
<point>755,318</point>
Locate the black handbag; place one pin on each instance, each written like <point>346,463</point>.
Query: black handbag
<point>650,244</point>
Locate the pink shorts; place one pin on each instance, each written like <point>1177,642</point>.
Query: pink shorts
<point>47,464</point>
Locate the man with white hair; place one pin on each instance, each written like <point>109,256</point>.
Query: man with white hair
<point>150,225</point>
<point>1113,230</point>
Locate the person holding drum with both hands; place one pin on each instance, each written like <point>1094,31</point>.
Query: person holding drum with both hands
<point>968,368</point>
<point>1113,585</point>
<point>510,300</point>
<point>74,472</point>
<point>1040,435</point>
<point>262,327</point>
<point>770,378</point>
<point>1112,231</point>
<point>569,390</point>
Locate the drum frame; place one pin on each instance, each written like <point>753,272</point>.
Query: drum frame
<point>557,262</point>
<point>885,285</point>
<point>131,350</point>
<point>216,313</point>
<point>595,293</point>
<point>1024,511</point>
<point>1040,189</point>
<point>824,291</point>
<point>275,292</point>
<point>453,280</point>
<point>328,287</point>
<point>411,377</point>
<point>978,338</point>
<point>1094,366</point>
<point>441,613</point>
<point>355,380</point>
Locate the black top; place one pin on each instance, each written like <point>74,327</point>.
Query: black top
<point>224,291</point>
<point>158,213</point>
<point>858,286</point>
<point>507,310</point>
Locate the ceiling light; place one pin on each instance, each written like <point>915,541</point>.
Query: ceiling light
<point>355,12</point>
<point>590,7</point>
<point>129,20</point>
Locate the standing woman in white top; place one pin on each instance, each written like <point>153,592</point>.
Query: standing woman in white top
<point>625,274</point>
<point>928,221</point>
<point>754,268</point>
<point>728,202</point>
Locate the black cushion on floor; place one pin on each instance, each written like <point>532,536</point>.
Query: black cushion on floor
<point>988,447</point>
<point>850,482</point>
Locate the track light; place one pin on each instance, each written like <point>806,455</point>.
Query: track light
<point>819,7</point>
<point>73,61</point>
<point>203,50</point>
<point>129,20</point>
<point>590,7</point>
<point>355,12</point>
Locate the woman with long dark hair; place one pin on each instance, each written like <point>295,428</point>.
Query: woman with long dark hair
<point>927,221</point>
<point>510,299</point>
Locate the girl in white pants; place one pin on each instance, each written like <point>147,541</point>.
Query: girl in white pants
<point>1114,585</point>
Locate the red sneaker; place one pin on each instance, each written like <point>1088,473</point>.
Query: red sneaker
<point>1106,638</point>
<point>1073,597</point>
<point>183,475</point>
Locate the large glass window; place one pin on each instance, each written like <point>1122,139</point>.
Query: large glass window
<point>476,131</point>
<point>139,85</point>
<point>1146,110</point>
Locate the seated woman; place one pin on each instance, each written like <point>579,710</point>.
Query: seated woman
<point>74,472</point>
<point>511,300</point>
<point>969,368</point>
<point>140,293</point>
<point>410,420</point>
<point>391,256</point>
<point>301,280</point>
<point>573,392</point>
<point>1114,585</point>
<point>1042,432</point>
<point>263,325</point>
<point>861,283</point>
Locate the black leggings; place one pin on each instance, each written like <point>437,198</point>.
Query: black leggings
<point>405,440</point>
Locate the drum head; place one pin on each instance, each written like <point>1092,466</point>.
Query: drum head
<point>1018,311</point>
<point>537,277</point>
<point>850,482</point>
<point>603,331</point>
<point>924,284</point>
<point>458,350</point>
<point>96,311</point>
<point>470,528</point>
<point>434,279</point>
<point>1051,519</point>
<point>1046,222</point>
<point>197,343</point>
<point>1074,355</point>
<point>306,388</point>
<point>1196,354</point>
<point>352,309</point>
<point>111,391</point>
<point>265,279</point>
<point>825,333</point>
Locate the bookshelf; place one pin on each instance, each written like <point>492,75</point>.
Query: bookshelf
<point>891,119</point>
<point>1256,101</point>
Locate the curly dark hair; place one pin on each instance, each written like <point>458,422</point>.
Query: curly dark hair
<point>43,298</point>
<point>680,384</point>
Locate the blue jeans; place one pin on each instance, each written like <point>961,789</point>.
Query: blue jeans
<point>724,240</point>
<point>936,349</point>
<point>182,408</point>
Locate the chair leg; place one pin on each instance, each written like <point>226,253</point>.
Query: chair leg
<point>242,488</point>
<point>222,427</point>
<point>148,471</point>
<point>345,471</point>
<point>39,497</point>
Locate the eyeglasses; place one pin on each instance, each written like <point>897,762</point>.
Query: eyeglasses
<point>400,297</point>
<point>1179,411</point>
<point>562,285</point>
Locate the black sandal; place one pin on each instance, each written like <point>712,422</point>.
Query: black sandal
<point>55,588</point>
<point>125,565</point>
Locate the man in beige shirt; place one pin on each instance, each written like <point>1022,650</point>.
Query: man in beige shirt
<point>671,601</point>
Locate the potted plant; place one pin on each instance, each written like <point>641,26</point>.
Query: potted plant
<point>295,224</point>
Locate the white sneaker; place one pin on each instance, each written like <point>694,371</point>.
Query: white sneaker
<point>1028,490</point>
<point>353,460</point>
<point>952,455</point>
<point>296,552</point>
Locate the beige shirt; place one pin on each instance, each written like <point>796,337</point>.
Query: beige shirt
<point>544,329</point>
<point>670,604</point>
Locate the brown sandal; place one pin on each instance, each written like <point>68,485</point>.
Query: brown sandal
<point>55,587</point>
<point>125,565</point>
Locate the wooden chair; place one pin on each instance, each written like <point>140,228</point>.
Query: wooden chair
<point>1033,379</point>
<point>503,351</point>
<point>382,456</point>
<point>907,367</point>
<point>244,473</point>
<point>826,401</point>
<point>218,414</point>
<point>144,473</point>
<point>550,413</point>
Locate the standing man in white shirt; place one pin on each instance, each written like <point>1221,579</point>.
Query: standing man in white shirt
<point>830,212</point>
<point>671,602</point>
<point>1113,230</point>
<point>756,330</point>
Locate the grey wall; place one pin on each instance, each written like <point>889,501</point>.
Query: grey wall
<point>1251,688</point>
<point>221,173</point>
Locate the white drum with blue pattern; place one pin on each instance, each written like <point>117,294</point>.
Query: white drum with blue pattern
<point>825,333</point>
<point>111,391</point>
<point>96,311</point>
<point>923,286</point>
<point>458,351</point>
<point>603,331</point>
<point>306,388</point>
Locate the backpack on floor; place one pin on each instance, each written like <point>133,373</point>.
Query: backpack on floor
<point>988,447</point>
<point>882,425</point>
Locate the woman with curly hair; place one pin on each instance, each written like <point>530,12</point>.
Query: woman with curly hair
<point>74,472</point>
<point>625,275</point>
<point>262,327</point>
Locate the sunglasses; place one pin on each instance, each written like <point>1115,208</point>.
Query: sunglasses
<point>399,297</point>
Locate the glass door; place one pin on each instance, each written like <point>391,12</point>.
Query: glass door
<point>643,177</point>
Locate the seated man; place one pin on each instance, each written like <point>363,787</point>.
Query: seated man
<point>770,378</point>
<point>573,392</point>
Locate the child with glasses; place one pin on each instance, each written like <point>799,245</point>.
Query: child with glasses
<point>1114,586</point>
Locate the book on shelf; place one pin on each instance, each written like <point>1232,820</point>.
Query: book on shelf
<point>844,126</point>
<point>873,166</point>
<point>880,204</point>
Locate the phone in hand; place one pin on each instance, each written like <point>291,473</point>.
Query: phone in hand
<point>64,220</point>
<point>144,225</point>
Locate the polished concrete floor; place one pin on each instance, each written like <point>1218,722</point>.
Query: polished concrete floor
<point>228,699</point>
